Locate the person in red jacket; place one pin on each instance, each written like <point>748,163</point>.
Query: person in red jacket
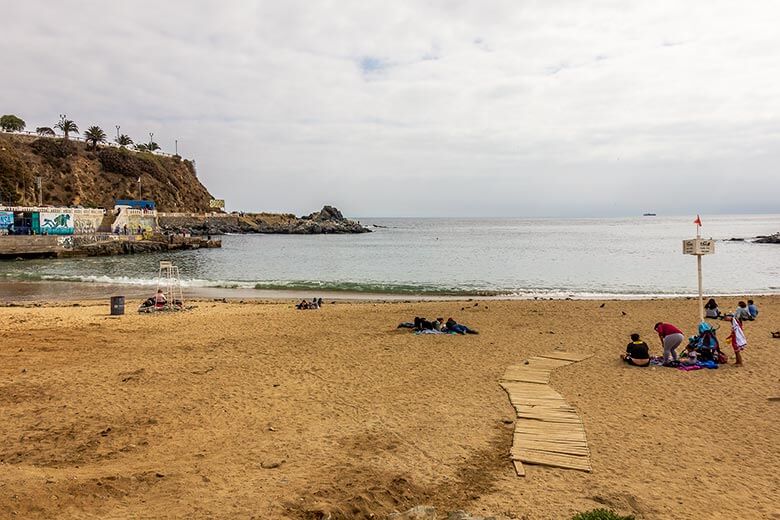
<point>671,337</point>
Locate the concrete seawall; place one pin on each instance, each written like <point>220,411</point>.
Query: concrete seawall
<point>95,245</point>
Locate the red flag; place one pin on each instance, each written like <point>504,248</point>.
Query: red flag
<point>697,221</point>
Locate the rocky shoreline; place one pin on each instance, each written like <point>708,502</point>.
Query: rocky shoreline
<point>329,220</point>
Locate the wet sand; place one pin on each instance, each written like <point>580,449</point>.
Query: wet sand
<point>256,410</point>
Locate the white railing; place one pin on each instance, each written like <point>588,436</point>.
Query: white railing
<point>196,215</point>
<point>52,209</point>
<point>81,139</point>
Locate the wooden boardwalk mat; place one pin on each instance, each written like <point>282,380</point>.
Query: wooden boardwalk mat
<point>548,430</point>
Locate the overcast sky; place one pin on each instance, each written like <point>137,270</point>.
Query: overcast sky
<point>424,108</point>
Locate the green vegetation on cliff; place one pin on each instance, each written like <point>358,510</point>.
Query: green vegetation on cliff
<point>73,173</point>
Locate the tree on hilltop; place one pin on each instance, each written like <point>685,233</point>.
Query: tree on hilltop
<point>95,135</point>
<point>44,131</point>
<point>67,126</point>
<point>151,146</point>
<point>124,140</point>
<point>11,123</point>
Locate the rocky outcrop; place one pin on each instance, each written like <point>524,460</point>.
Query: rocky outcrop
<point>768,239</point>
<point>74,174</point>
<point>124,247</point>
<point>329,220</point>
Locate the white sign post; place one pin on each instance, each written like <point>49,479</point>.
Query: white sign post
<point>699,247</point>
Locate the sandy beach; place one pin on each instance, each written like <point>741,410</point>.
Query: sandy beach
<point>256,410</point>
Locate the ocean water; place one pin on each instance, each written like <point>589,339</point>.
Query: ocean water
<point>627,257</point>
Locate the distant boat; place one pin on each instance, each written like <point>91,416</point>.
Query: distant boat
<point>648,214</point>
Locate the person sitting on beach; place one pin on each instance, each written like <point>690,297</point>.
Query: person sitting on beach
<point>637,352</point>
<point>319,302</point>
<point>303,305</point>
<point>752,309</point>
<point>711,309</point>
<point>159,299</point>
<point>692,355</point>
<point>671,337</point>
<point>742,313</point>
<point>454,326</point>
<point>438,324</point>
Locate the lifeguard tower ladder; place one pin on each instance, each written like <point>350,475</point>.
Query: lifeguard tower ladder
<point>169,281</point>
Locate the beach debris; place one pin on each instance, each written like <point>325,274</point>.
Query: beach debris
<point>623,313</point>
<point>105,432</point>
<point>776,398</point>
<point>273,464</point>
<point>416,513</point>
<point>131,376</point>
<point>204,371</point>
<point>776,334</point>
<point>602,305</point>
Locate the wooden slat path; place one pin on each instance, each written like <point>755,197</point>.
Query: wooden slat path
<point>548,430</point>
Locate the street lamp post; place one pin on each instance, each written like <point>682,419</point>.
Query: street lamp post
<point>117,132</point>
<point>177,146</point>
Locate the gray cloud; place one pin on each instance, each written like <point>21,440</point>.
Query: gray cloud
<point>441,108</point>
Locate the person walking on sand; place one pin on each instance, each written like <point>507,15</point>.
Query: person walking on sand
<point>738,340</point>
<point>671,337</point>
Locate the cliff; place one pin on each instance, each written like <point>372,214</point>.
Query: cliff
<point>329,220</point>
<point>73,174</point>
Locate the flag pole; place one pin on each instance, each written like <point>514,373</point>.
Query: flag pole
<point>698,268</point>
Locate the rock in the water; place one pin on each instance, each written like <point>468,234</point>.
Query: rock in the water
<point>770,239</point>
<point>329,220</point>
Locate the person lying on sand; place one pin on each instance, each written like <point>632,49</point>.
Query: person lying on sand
<point>637,352</point>
<point>454,326</point>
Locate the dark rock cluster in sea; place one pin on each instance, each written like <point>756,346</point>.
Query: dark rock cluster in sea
<point>329,220</point>
<point>768,239</point>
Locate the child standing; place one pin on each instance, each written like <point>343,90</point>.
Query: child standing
<point>738,340</point>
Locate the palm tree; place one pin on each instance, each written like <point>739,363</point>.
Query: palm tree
<point>124,140</point>
<point>44,131</point>
<point>151,146</point>
<point>67,126</point>
<point>95,135</point>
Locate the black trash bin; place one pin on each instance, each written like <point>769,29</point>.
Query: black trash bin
<point>117,305</point>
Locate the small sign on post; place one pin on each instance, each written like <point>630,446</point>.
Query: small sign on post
<point>699,247</point>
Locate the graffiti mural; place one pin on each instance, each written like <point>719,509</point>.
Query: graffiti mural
<point>6,219</point>
<point>55,223</point>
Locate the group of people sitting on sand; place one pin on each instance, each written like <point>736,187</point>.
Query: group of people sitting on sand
<point>703,349</point>
<point>745,311</point>
<point>437,326</point>
<point>315,303</point>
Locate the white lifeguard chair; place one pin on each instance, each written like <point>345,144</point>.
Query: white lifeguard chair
<point>169,281</point>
